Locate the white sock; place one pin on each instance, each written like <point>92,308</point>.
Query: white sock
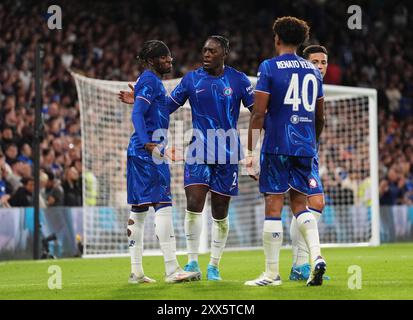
<point>307,225</point>
<point>135,237</point>
<point>193,229</point>
<point>272,239</point>
<point>219,235</point>
<point>164,231</point>
<point>299,246</point>
<point>316,213</point>
<point>301,254</point>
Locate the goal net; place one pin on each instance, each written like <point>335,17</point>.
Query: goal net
<point>348,168</point>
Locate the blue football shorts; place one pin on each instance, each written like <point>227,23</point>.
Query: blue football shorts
<point>280,173</point>
<point>220,178</point>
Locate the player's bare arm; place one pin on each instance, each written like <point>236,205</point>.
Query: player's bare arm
<point>256,123</point>
<point>257,117</point>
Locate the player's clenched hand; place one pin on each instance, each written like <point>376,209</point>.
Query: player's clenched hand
<point>153,149</point>
<point>174,154</point>
<point>127,96</point>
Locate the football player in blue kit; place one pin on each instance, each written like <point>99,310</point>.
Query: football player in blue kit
<point>301,269</point>
<point>148,182</point>
<point>215,92</point>
<point>289,103</point>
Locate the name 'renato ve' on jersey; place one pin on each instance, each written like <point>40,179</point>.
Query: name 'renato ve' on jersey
<point>294,85</point>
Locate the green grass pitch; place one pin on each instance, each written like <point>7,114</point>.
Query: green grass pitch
<point>387,273</point>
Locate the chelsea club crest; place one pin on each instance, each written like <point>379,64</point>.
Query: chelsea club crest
<point>227,91</point>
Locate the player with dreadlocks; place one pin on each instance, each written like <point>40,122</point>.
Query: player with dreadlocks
<point>215,92</point>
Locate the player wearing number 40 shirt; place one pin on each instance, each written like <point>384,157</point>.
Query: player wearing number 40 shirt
<point>294,85</point>
<point>301,269</point>
<point>289,103</point>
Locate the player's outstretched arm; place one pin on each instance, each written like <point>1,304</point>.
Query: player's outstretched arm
<point>172,105</point>
<point>178,96</point>
<point>127,96</point>
<point>319,118</point>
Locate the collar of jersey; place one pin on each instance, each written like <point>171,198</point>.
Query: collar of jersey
<point>215,77</point>
<point>287,54</point>
<point>151,72</point>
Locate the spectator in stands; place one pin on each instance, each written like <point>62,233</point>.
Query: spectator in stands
<point>393,95</point>
<point>54,191</point>
<point>11,151</point>
<point>48,161</point>
<point>10,118</point>
<point>72,188</point>
<point>4,185</point>
<point>26,154</point>
<point>7,135</point>
<point>23,197</point>
<point>14,176</point>
<point>389,190</point>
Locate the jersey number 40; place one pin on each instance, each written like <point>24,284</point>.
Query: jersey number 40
<point>292,97</point>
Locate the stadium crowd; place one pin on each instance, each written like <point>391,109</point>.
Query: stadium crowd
<point>101,39</point>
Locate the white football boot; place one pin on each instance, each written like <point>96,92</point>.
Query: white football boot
<point>263,280</point>
<point>144,279</point>
<point>181,276</point>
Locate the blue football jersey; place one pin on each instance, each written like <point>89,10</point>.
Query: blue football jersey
<point>295,85</point>
<point>151,102</point>
<point>215,104</point>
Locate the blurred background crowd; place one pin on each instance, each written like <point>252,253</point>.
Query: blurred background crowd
<point>101,39</point>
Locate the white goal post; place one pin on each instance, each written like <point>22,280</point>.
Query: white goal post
<point>348,166</point>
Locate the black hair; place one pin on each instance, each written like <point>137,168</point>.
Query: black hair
<point>50,175</point>
<point>25,181</point>
<point>291,30</point>
<point>315,48</point>
<point>46,152</point>
<point>12,162</point>
<point>11,144</point>
<point>7,127</point>
<point>224,42</point>
<point>153,49</point>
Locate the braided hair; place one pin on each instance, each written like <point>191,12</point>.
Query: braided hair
<point>224,42</point>
<point>151,49</point>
